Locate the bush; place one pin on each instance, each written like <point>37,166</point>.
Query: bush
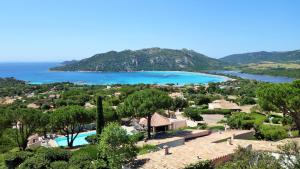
<point>193,113</point>
<point>92,139</point>
<point>271,132</point>
<point>241,121</point>
<point>59,165</point>
<point>81,160</point>
<point>12,160</point>
<point>246,100</point>
<point>147,149</point>
<point>54,154</point>
<point>217,128</point>
<point>201,99</point>
<point>276,120</point>
<point>200,165</point>
<point>287,120</point>
<point>138,136</point>
<point>216,111</point>
<point>35,162</point>
<point>91,150</point>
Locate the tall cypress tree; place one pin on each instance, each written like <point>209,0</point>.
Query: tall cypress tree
<point>99,116</point>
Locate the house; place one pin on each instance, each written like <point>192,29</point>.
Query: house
<point>223,104</point>
<point>161,123</point>
<point>34,141</point>
<point>176,95</point>
<point>33,106</point>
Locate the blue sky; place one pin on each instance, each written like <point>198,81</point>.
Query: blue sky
<point>57,30</point>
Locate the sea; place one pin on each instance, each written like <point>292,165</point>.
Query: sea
<point>38,73</point>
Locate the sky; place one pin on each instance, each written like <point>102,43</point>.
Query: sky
<point>59,30</point>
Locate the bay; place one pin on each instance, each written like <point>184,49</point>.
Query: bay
<point>38,73</point>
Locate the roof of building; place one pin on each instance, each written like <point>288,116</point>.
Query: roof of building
<point>224,104</point>
<point>156,120</point>
<point>33,106</point>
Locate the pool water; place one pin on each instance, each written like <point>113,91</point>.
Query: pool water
<point>80,139</point>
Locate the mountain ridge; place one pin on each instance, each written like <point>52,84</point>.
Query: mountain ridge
<point>144,59</point>
<point>263,56</point>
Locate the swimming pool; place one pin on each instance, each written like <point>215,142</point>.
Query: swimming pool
<point>80,139</point>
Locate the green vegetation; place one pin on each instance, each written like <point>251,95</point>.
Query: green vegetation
<point>65,108</point>
<point>266,63</point>
<point>247,159</point>
<point>271,132</point>
<point>293,73</point>
<point>69,121</point>
<point>99,116</point>
<point>145,103</point>
<point>284,98</point>
<point>145,59</point>
<point>115,147</point>
<point>200,165</point>
<point>146,149</point>
<point>257,57</point>
<point>193,114</point>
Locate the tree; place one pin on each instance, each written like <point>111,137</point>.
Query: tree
<point>247,159</point>
<point>69,121</point>
<point>28,121</point>
<point>179,103</point>
<point>99,116</point>
<point>145,103</point>
<point>284,98</point>
<point>5,119</point>
<point>116,147</point>
<point>290,155</point>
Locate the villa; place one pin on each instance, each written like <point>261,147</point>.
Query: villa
<point>161,123</point>
<point>223,104</point>
<point>176,95</point>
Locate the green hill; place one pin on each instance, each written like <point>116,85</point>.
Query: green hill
<point>145,59</point>
<point>258,57</point>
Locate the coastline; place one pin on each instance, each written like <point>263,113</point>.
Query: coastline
<point>224,77</point>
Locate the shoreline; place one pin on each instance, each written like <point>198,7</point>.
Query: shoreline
<point>226,78</point>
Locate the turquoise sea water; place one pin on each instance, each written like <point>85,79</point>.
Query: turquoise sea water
<point>37,73</point>
<point>80,139</point>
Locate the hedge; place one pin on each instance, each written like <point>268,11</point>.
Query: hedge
<point>271,132</point>
<point>216,111</point>
<point>200,165</point>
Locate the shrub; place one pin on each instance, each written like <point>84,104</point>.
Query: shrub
<point>35,162</point>
<point>246,100</point>
<point>216,128</point>
<point>201,99</point>
<point>138,136</point>
<point>193,113</point>
<point>241,121</point>
<point>287,120</point>
<point>216,111</point>
<point>271,132</point>
<point>59,165</point>
<point>81,160</point>
<point>200,165</point>
<point>12,160</point>
<point>146,149</point>
<point>91,150</point>
<point>92,139</point>
<point>276,120</point>
<point>54,154</point>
